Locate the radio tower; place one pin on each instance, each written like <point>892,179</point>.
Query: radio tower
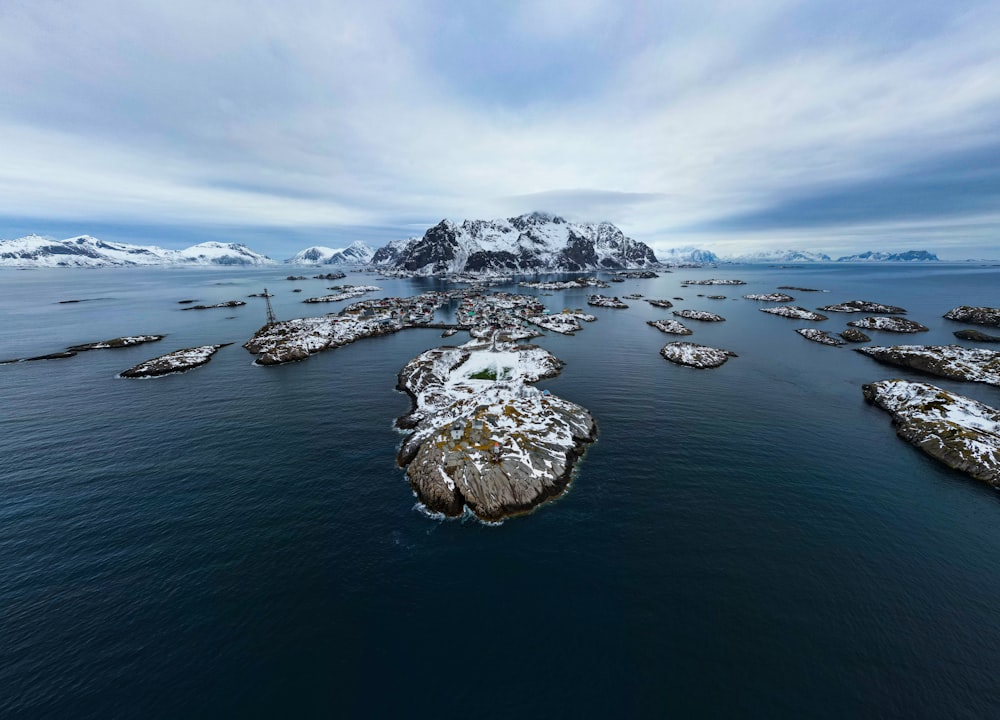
<point>271,319</point>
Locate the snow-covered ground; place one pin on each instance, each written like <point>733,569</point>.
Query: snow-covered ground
<point>961,432</point>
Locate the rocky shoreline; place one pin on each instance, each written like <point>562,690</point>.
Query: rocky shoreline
<point>173,362</point>
<point>889,324</point>
<point>794,312</point>
<point>975,315</point>
<point>695,355</point>
<point>960,432</point>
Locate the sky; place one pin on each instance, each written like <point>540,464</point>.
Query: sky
<point>735,126</point>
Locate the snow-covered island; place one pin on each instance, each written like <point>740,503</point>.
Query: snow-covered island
<point>820,336</point>
<point>296,339</point>
<point>889,324</point>
<point>174,362</point>
<point>605,301</point>
<point>975,315</point>
<point>793,312</point>
<point>854,335</point>
<point>856,306</point>
<point>694,355</point>
<point>962,433</point>
<point>483,437</point>
<point>665,304</point>
<point>576,284</point>
<point>344,292</point>
<point>714,281</point>
<point>671,327</point>
<point>118,342</point>
<point>226,304</point>
<point>769,297</point>
<point>702,315</point>
<point>950,361</point>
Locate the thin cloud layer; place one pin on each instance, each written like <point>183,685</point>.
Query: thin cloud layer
<point>730,125</point>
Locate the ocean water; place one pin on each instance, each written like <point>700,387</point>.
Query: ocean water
<point>238,541</point>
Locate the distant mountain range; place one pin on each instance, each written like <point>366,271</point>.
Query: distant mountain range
<point>87,251</point>
<point>679,256</point>
<point>530,243</point>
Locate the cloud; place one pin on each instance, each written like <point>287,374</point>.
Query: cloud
<point>710,120</point>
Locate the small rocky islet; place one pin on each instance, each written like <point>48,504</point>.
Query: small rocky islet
<point>962,433</point>
<point>483,438</point>
<point>819,336</point>
<point>769,297</point>
<point>975,315</point>
<point>853,335</point>
<point>694,355</point>
<point>173,362</point>
<point>671,327</point>
<point>226,304</point>
<point>867,306</point>
<point>114,343</point>
<point>793,312</point>
<point>889,324</point>
<point>702,315</point>
<point>976,336</point>
<point>605,301</point>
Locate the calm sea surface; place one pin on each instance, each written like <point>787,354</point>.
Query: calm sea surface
<point>238,541</point>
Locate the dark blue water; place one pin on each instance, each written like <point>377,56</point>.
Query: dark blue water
<point>238,541</point>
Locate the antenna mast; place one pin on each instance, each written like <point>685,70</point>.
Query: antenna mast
<point>271,319</point>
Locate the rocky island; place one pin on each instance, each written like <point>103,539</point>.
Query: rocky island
<point>889,324</point>
<point>694,355</point>
<point>950,361</point>
<point>118,342</point>
<point>976,336</point>
<point>820,336</point>
<point>665,304</point>
<point>714,281</point>
<point>576,284</point>
<point>769,297</point>
<point>854,306</point>
<point>671,327</point>
<point>227,304</point>
<point>605,301</point>
<point>483,437</point>
<point>702,315</point>
<point>975,315</point>
<point>344,292</point>
<point>174,362</point>
<point>793,312</point>
<point>960,432</point>
<point>854,335</point>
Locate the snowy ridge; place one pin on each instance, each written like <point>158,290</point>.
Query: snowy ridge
<point>87,251</point>
<point>779,256</point>
<point>357,253</point>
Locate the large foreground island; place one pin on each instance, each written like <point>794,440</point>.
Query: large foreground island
<point>483,437</point>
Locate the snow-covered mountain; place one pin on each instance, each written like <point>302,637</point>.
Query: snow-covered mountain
<point>687,256</point>
<point>530,243</point>
<point>780,256</point>
<point>907,256</point>
<point>87,251</point>
<point>217,253</point>
<point>357,253</point>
